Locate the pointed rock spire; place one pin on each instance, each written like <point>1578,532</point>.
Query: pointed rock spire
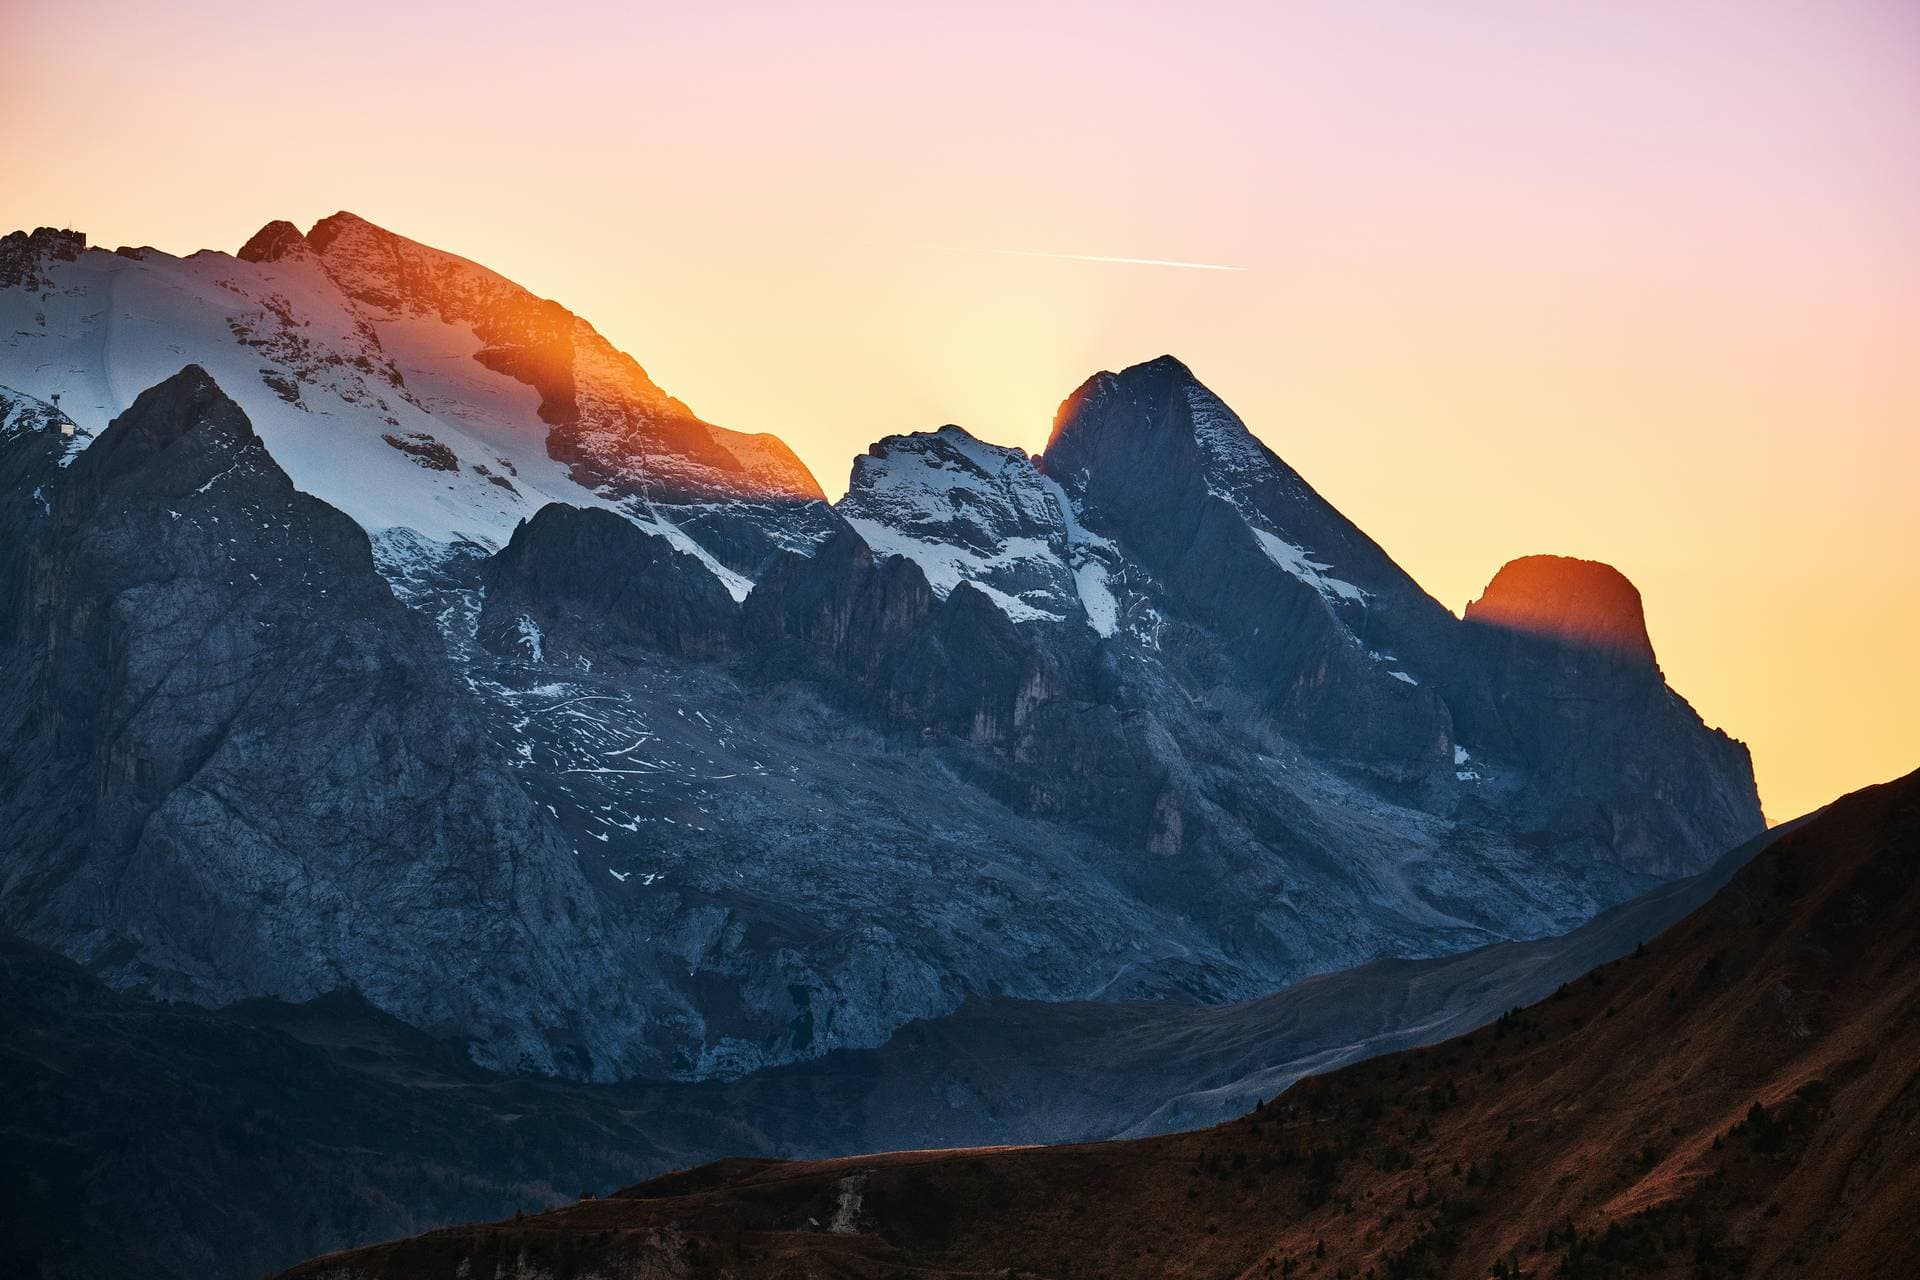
<point>272,242</point>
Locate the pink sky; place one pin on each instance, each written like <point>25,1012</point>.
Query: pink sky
<point>1632,281</point>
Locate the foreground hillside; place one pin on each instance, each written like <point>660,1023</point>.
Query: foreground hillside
<point>1739,1098</point>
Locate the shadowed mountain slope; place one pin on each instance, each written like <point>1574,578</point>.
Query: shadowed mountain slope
<point>1739,1098</point>
<point>160,1134</point>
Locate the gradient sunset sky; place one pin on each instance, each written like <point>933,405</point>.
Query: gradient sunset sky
<point>1633,281</point>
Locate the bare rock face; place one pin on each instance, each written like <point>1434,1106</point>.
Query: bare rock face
<point>1617,759</point>
<point>235,765</point>
<point>271,243</point>
<point>591,581</point>
<point>1582,604</point>
<point>873,632</point>
<point>968,511</point>
<point>1342,645</point>
<point>23,255</point>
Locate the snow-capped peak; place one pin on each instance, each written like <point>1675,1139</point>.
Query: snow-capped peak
<point>964,511</point>
<point>968,511</point>
<point>408,387</point>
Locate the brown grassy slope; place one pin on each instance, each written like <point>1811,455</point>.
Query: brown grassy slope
<point>1741,1099</point>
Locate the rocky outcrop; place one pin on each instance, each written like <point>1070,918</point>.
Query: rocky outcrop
<point>841,609</point>
<point>967,511</point>
<point>872,628</point>
<point>23,255</point>
<point>1617,762</point>
<point>1502,712</point>
<point>1578,604</point>
<point>1306,606</point>
<point>576,580</point>
<point>271,243</point>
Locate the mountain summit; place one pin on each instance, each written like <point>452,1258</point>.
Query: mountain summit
<point>271,243</point>
<point>363,358</point>
<point>1581,603</point>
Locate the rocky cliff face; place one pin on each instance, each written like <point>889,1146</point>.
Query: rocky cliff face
<point>591,581</point>
<point>1052,639</point>
<point>452,661</point>
<point>967,511</point>
<point>236,765</point>
<point>1309,611</point>
<point>1198,559</point>
<point>1565,658</point>
<point>26,256</point>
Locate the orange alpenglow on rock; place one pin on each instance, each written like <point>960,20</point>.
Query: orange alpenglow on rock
<point>1578,602</point>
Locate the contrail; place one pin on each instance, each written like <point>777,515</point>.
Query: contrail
<point>1131,262</point>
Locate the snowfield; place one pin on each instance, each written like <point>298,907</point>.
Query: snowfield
<point>378,408</point>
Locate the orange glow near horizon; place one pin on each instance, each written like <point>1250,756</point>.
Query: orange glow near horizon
<point>1615,281</point>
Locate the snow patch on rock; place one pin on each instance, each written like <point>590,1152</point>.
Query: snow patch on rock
<point>967,511</point>
<point>1301,564</point>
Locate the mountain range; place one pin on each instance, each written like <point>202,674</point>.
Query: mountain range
<point>398,682</point>
<point>374,624</point>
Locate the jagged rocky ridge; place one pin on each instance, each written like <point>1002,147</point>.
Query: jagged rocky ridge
<point>729,777</point>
